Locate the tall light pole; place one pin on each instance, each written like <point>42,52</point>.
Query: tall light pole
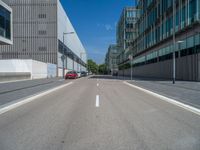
<point>131,58</point>
<point>174,43</point>
<point>81,59</point>
<point>196,56</point>
<point>63,54</point>
<point>73,63</point>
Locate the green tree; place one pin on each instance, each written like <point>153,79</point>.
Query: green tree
<point>92,66</point>
<point>102,69</point>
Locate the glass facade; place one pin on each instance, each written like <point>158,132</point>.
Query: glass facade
<point>112,58</point>
<point>126,32</point>
<point>5,23</point>
<point>188,46</point>
<point>155,26</point>
<point>156,20</point>
<point>126,28</point>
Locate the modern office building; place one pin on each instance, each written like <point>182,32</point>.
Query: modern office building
<point>126,32</point>
<point>112,59</point>
<point>6,28</point>
<point>154,46</point>
<point>43,32</point>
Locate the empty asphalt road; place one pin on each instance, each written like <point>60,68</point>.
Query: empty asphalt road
<point>99,114</point>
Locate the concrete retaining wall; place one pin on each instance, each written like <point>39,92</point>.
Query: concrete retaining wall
<point>39,70</point>
<point>7,76</point>
<point>26,68</point>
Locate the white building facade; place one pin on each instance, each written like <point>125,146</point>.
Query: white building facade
<point>76,56</point>
<point>38,29</point>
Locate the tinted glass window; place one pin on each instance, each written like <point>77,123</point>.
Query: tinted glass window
<point>70,72</point>
<point>5,23</point>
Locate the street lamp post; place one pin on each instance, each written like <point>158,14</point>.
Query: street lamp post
<point>73,63</point>
<point>63,54</point>
<point>196,55</point>
<point>174,44</point>
<point>131,58</point>
<point>81,59</point>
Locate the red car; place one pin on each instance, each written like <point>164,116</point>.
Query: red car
<point>71,75</point>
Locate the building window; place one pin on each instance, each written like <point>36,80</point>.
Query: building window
<point>5,24</point>
<point>42,16</point>
<point>42,32</point>
<point>42,49</point>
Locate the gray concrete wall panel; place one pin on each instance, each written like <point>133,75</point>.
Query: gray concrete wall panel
<point>35,31</point>
<point>187,68</point>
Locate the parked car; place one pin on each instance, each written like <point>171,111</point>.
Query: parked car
<point>79,74</point>
<point>71,75</point>
<point>83,74</point>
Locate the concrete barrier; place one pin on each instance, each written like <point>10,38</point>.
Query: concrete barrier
<point>9,76</point>
<point>18,69</point>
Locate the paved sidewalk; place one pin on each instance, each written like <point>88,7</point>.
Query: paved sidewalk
<point>183,91</point>
<point>17,90</point>
<point>14,86</point>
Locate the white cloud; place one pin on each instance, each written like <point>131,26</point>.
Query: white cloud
<point>107,27</point>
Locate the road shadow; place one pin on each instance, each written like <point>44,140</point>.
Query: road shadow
<point>190,85</point>
<point>109,77</point>
<point>106,77</point>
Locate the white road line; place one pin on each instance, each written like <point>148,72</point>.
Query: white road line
<point>169,100</point>
<point>18,103</point>
<point>97,84</point>
<point>97,100</point>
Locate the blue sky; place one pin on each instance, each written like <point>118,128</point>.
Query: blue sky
<point>95,22</point>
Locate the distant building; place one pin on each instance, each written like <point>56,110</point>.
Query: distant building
<point>112,59</point>
<point>40,33</point>
<point>126,32</point>
<point>6,28</point>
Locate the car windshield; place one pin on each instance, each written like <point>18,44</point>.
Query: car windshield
<point>71,72</point>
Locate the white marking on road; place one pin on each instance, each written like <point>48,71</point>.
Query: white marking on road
<point>97,100</point>
<point>169,100</point>
<point>18,103</point>
<point>97,84</point>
